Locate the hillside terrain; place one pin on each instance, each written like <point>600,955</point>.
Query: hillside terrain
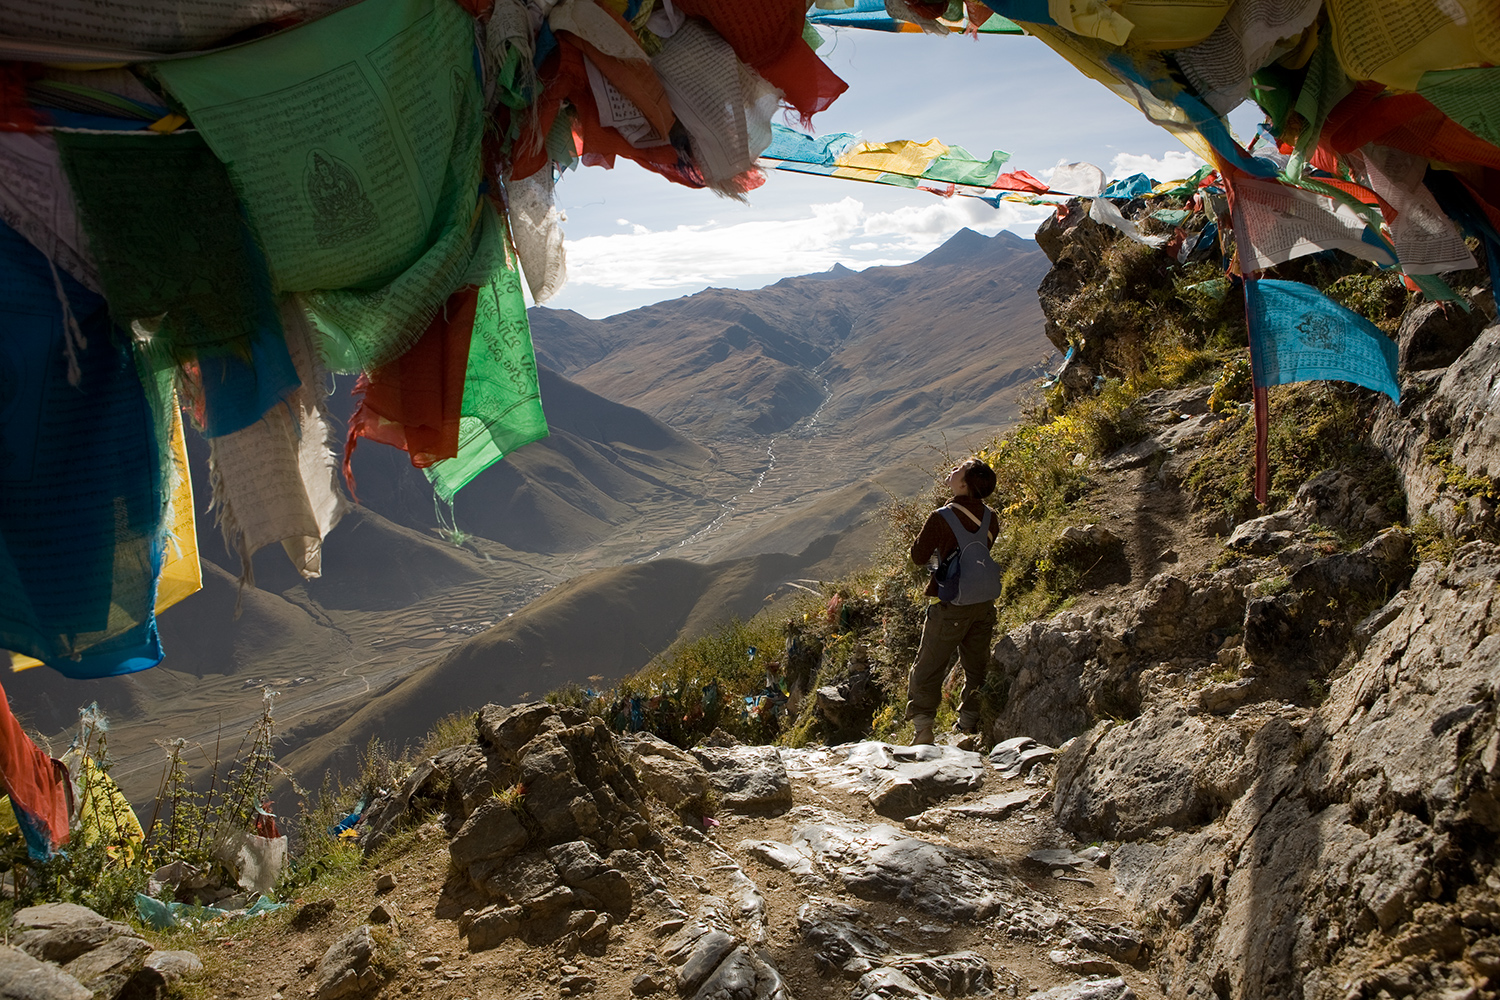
<point>791,416</point>
<point>1228,750</point>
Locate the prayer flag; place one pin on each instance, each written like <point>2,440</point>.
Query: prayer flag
<point>353,142</point>
<point>1299,335</point>
<point>1276,222</point>
<point>502,405</point>
<point>82,487</point>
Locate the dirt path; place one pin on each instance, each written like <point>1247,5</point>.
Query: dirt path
<point>798,925</point>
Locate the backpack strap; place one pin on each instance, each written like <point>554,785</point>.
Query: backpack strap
<point>976,522</point>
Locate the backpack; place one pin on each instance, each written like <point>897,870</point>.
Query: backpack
<point>969,575</point>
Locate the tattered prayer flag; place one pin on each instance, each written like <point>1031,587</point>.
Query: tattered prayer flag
<point>1426,239</point>
<point>1103,211</point>
<point>1018,180</point>
<point>1299,335</point>
<point>793,146</point>
<point>1275,223</point>
<point>1134,186</point>
<point>415,402</point>
<point>1083,179</point>
<point>502,405</point>
<point>276,480</point>
<point>1396,43</point>
<point>353,142</point>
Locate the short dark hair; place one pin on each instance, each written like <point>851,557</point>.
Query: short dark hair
<point>978,477</point>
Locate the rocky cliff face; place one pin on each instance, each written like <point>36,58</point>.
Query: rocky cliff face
<point>1292,752</point>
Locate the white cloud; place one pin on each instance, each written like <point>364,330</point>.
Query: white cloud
<point>1172,165</point>
<point>844,231</point>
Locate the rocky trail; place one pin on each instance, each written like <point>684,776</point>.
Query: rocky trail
<point>865,870</point>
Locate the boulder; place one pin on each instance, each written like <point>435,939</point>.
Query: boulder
<point>837,942</point>
<point>1016,756</point>
<point>493,831</point>
<point>907,779</point>
<point>175,965</point>
<point>23,977</point>
<point>747,779</point>
<point>1089,989</point>
<point>65,943</point>
<point>671,774</point>
<point>1164,769</point>
<point>576,782</point>
<point>886,983</point>
<point>1435,334</point>
<point>881,864</point>
<point>50,916</point>
<point>106,970</point>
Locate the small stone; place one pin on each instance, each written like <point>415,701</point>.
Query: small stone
<point>1082,963</point>
<point>430,963</point>
<point>380,915</point>
<point>385,882</point>
<point>568,970</point>
<point>645,984</point>
<point>573,985</point>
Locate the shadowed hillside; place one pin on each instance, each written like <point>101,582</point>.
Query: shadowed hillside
<point>606,624</point>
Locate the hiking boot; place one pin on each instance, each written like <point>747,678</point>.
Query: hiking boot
<point>922,736</point>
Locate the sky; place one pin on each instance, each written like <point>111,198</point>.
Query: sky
<point>634,238</point>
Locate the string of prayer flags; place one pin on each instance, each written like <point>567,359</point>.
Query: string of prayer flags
<point>1297,334</point>
<point>899,162</point>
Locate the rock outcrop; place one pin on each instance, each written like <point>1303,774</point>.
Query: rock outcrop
<point>1294,758</point>
<point>63,951</point>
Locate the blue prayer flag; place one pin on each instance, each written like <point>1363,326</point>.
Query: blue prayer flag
<point>1299,335</point>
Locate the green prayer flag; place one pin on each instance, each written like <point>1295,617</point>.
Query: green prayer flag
<point>353,142</point>
<point>959,166</point>
<point>1322,88</point>
<point>1470,97</point>
<point>502,405</point>
<point>165,230</point>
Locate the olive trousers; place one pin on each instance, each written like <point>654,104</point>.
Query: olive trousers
<point>969,628</point>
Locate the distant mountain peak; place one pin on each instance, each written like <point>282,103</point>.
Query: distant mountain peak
<point>838,270</point>
<point>968,247</point>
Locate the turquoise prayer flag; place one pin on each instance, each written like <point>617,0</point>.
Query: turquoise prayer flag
<point>1299,335</point>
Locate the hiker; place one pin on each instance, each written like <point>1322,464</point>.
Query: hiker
<point>960,612</point>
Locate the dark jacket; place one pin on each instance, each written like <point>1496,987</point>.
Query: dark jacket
<point>937,538</point>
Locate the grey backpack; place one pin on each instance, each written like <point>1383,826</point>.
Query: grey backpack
<point>969,575</point>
